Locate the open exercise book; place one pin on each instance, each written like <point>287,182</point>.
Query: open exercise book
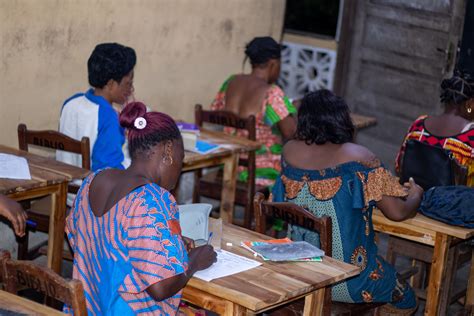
<point>284,250</point>
<point>227,264</point>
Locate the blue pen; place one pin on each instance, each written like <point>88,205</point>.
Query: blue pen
<point>209,239</point>
<point>31,223</point>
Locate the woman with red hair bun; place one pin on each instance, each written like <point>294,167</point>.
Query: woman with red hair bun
<point>124,225</point>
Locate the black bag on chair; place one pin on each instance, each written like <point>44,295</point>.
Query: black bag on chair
<point>430,166</point>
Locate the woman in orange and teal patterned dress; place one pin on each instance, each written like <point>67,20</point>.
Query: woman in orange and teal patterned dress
<point>325,172</point>
<point>452,130</point>
<point>257,94</point>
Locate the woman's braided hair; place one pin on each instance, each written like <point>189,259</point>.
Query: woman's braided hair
<point>457,89</point>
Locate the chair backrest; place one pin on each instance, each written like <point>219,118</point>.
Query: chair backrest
<point>55,140</point>
<point>225,118</point>
<point>293,214</point>
<point>296,215</point>
<point>431,166</point>
<point>19,275</point>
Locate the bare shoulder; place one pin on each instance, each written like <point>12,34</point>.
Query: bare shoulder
<point>106,177</point>
<point>355,152</point>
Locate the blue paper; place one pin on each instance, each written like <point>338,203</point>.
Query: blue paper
<point>203,147</point>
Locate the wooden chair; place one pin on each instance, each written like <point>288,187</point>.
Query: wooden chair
<point>426,161</point>
<point>41,208</point>
<point>20,275</point>
<point>295,215</point>
<point>210,185</point>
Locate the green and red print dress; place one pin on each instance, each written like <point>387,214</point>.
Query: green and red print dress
<point>460,145</point>
<point>275,107</point>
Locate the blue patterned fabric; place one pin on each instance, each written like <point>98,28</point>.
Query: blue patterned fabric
<point>450,204</point>
<point>347,193</point>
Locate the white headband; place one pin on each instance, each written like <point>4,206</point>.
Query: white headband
<point>139,123</point>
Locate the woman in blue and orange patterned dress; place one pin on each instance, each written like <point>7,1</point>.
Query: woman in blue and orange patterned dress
<point>325,172</point>
<point>124,226</point>
<point>452,130</point>
<point>257,94</point>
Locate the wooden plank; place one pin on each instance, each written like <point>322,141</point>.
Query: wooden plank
<point>418,18</point>
<point>57,221</point>
<point>229,183</point>
<point>437,274</point>
<point>362,121</point>
<point>205,300</point>
<point>14,303</point>
<point>272,283</point>
<point>314,303</point>
<point>232,142</point>
<point>470,286</point>
<point>422,223</point>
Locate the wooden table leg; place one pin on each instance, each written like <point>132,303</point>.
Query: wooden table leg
<point>233,309</point>
<point>229,183</point>
<point>437,274</point>
<point>56,227</point>
<point>470,287</point>
<point>314,303</point>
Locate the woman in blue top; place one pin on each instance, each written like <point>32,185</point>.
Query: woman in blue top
<point>325,172</point>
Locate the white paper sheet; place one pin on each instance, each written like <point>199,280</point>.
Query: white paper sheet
<point>227,264</point>
<point>14,167</point>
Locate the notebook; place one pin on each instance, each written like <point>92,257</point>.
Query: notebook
<point>287,251</point>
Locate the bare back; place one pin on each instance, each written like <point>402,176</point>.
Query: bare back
<point>317,157</point>
<point>109,187</point>
<point>245,95</point>
<point>445,125</point>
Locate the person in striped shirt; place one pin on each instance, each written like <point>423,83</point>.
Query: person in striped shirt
<point>124,225</point>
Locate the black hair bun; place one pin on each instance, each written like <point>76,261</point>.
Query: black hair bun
<point>262,49</point>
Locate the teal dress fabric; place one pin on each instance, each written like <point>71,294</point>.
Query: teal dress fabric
<point>347,193</point>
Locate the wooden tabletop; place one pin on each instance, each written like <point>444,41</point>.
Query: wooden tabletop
<point>362,121</point>
<point>229,144</point>
<point>15,304</point>
<point>273,282</point>
<point>44,171</point>
<point>424,225</point>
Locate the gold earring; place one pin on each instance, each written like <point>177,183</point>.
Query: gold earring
<point>469,110</point>
<point>167,160</point>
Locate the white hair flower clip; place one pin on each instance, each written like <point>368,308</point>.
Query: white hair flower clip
<point>139,123</point>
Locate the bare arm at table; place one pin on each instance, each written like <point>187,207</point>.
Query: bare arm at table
<point>200,258</point>
<point>14,213</point>
<point>398,209</point>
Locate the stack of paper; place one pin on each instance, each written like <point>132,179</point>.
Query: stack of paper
<point>14,167</point>
<point>284,250</point>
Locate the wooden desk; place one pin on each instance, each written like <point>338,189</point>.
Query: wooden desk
<point>48,177</point>
<point>434,233</point>
<point>267,286</point>
<point>227,155</point>
<point>362,121</point>
<point>16,304</point>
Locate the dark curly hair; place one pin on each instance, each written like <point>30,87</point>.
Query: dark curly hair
<point>110,61</point>
<point>157,127</point>
<point>457,89</point>
<point>324,117</point>
<point>262,49</point>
